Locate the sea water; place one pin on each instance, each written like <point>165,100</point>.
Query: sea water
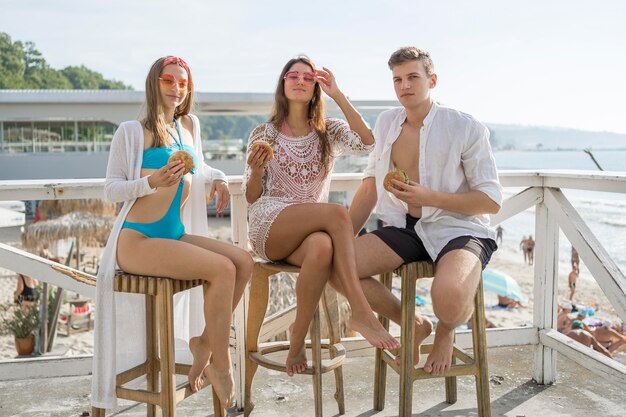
<point>604,213</point>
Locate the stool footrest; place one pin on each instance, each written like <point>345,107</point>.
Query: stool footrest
<point>468,367</point>
<point>327,364</point>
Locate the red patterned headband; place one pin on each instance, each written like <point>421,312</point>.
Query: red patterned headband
<point>176,60</point>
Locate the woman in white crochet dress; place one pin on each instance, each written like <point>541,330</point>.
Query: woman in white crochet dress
<point>289,217</point>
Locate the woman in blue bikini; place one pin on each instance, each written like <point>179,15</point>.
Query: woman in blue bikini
<point>161,231</point>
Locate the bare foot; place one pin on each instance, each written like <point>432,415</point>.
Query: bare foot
<point>423,329</point>
<point>223,384</point>
<point>201,355</point>
<point>440,359</point>
<point>296,358</point>
<point>374,332</point>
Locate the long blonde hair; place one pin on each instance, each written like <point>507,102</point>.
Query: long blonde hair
<point>280,110</point>
<point>155,118</point>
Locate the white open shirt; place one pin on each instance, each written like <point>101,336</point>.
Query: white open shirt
<point>455,157</point>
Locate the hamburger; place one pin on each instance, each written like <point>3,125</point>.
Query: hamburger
<point>185,157</point>
<point>396,174</point>
<point>264,145</point>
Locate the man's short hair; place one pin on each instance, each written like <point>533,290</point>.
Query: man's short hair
<point>411,53</point>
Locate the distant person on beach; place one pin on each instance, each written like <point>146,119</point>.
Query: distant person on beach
<point>584,337</point>
<point>440,215</point>
<point>508,302</point>
<point>26,293</point>
<point>608,337</point>
<point>156,168</point>
<point>530,249</point>
<point>499,231</point>
<point>563,320</point>
<point>523,245</point>
<point>44,252</point>
<point>286,183</point>
<point>575,258</point>
<point>571,281</point>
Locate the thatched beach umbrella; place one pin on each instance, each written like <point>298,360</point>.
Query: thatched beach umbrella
<point>79,225</point>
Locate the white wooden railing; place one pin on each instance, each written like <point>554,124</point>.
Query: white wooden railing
<point>542,189</point>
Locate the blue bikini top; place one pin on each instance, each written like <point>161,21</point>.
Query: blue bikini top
<point>155,158</point>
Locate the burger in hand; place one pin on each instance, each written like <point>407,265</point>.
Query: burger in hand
<point>185,157</point>
<point>396,174</point>
<point>265,146</point>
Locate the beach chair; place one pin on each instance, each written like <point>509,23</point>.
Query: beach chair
<point>474,364</point>
<point>77,317</point>
<point>256,354</point>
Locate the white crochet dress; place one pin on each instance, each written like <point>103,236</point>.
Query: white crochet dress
<point>295,174</point>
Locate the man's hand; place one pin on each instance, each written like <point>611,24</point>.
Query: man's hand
<point>412,193</point>
<point>470,203</point>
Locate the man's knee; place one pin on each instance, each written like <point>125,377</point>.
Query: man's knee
<point>451,308</point>
<point>452,302</point>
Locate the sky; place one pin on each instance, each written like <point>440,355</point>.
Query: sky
<point>548,63</point>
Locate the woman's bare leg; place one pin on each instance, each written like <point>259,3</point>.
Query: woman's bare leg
<point>243,271</point>
<point>374,257</point>
<point>240,258</point>
<point>137,254</point>
<point>298,221</point>
<point>314,257</point>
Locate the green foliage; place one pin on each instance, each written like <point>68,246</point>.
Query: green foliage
<point>229,127</point>
<point>20,321</point>
<point>23,67</point>
<point>82,78</point>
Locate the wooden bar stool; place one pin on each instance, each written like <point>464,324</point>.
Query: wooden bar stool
<point>255,353</point>
<point>160,361</point>
<point>475,364</point>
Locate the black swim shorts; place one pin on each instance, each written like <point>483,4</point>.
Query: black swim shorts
<point>406,243</point>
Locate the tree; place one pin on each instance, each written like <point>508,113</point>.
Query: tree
<point>82,78</point>
<point>22,66</point>
<point>12,66</point>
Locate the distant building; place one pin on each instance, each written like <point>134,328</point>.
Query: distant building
<point>48,134</point>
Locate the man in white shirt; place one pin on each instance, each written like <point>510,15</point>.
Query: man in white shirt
<point>440,215</point>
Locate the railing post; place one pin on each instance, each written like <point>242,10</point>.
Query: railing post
<point>545,289</point>
<point>239,229</point>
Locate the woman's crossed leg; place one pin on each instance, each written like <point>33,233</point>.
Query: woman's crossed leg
<point>288,240</point>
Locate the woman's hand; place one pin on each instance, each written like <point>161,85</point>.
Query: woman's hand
<point>327,81</point>
<point>258,159</point>
<point>167,175</point>
<point>219,189</point>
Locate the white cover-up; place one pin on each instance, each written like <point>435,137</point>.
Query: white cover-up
<point>120,318</point>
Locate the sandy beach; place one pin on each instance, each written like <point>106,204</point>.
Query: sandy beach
<point>507,259</point>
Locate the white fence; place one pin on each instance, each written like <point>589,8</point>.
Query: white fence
<point>542,189</point>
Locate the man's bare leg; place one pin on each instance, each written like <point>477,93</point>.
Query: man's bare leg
<point>375,257</point>
<point>456,279</point>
